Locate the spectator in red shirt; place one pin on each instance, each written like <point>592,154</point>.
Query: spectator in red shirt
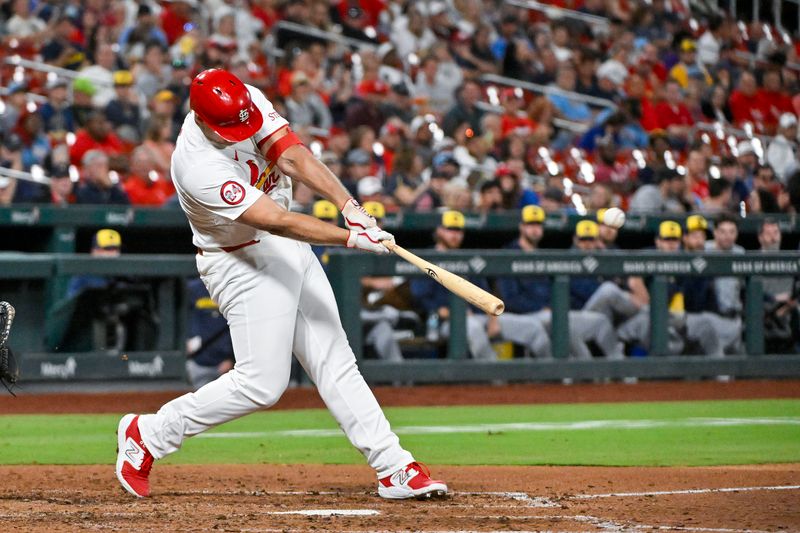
<point>145,185</point>
<point>96,135</point>
<point>697,174</point>
<point>174,17</point>
<point>515,119</point>
<point>650,66</point>
<point>774,101</point>
<point>673,115</point>
<point>392,136</point>
<point>745,104</point>
<point>635,87</point>
<point>371,8</point>
<point>265,11</point>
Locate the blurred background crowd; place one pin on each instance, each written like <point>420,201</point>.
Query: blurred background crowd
<point>483,105</point>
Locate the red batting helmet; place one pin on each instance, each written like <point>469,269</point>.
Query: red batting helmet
<point>223,102</point>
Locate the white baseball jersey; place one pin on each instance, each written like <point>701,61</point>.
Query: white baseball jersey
<point>216,184</point>
<point>275,297</point>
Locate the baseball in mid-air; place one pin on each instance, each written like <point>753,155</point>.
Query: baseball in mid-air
<point>614,217</point>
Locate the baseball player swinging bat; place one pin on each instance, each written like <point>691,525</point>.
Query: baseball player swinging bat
<point>475,295</point>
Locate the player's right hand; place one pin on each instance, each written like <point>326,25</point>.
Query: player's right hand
<point>369,240</point>
<point>355,217</point>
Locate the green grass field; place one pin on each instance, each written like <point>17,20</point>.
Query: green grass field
<point>659,433</point>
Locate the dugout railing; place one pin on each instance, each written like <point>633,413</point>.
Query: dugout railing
<point>27,280</point>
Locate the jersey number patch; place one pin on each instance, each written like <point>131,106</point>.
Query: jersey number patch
<point>266,181</point>
<point>232,193</point>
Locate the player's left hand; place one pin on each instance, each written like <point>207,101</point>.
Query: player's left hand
<point>355,217</point>
<point>370,240</point>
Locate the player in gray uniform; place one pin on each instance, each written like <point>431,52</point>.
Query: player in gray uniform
<point>383,319</point>
<point>728,289</point>
<point>683,326</point>
<point>528,318</point>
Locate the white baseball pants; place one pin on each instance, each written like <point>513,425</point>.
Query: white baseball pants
<point>277,301</point>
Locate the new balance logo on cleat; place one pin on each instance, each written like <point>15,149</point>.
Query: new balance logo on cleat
<point>134,454</point>
<point>401,477</point>
<point>411,481</point>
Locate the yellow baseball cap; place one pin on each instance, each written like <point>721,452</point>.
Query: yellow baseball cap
<point>123,77</point>
<point>375,209</point>
<point>669,230</point>
<point>453,220</point>
<point>164,95</point>
<point>696,223</point>
<point>587,229</point>
<point>325,210</point>
<point>532,214</point>
<point>107,238</point>
<point>601,213</point>
<point>688,45</point>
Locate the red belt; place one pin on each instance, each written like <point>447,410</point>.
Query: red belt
<point>230,249</point>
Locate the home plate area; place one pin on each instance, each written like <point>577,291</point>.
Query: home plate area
<point>343,498</point>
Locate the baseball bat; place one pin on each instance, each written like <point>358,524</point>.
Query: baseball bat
<point>455,284</point>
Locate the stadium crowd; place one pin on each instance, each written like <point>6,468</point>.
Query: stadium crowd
<point>649,107</point>
<point>440,105</point>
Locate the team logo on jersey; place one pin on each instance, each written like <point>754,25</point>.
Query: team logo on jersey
<point>232,193</point>
<point>267,180</point>
<point>244,114</point>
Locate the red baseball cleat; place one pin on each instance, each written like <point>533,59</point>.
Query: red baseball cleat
<point>134,461</point>
<point>411,481</point>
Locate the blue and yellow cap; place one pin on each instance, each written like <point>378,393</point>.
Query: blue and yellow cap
<point>453,220</point>
<point>532,214</point>
<point>375,209</point>
<point>325,210</point>
<point>107,238</point>
<point>696,223</point>
<point>123,77</point>
<point>587,229</point>
<point>669,230</point>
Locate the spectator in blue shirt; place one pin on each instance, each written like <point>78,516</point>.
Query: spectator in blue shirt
<point>144,30</point>
<point>57,111</point>
<point>98,186</point>
<point>567,106</point>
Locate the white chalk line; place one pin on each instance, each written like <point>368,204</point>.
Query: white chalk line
<point>581,425</point>
<point>328,512</point>
<point>684,491</point>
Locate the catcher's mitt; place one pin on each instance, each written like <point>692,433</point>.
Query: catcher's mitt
<point>9,371</point>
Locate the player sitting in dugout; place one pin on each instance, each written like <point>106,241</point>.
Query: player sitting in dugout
<point>433,299</point>
<point>209,349</point>
<point>686,329</point>
<point>528,317</point>
<point>385,300</point>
